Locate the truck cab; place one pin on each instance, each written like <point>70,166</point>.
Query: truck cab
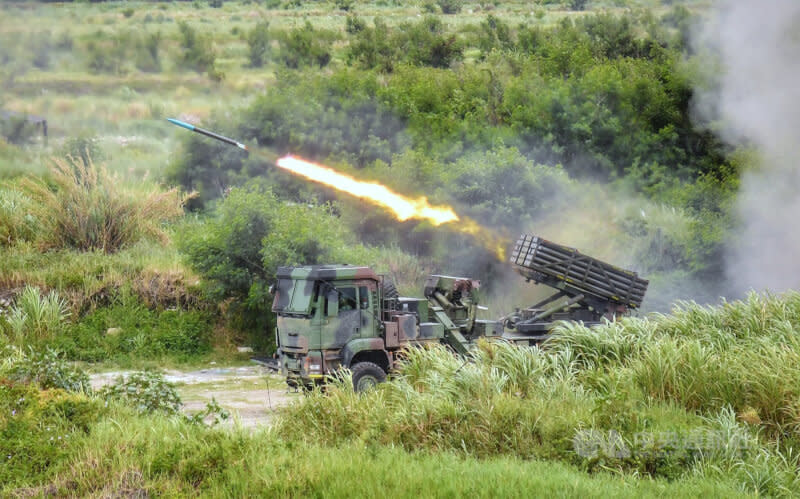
<point>333,316</point>
<point>328,316</point>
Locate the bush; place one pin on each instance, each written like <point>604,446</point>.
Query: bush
<point>305,46</point>
<point>345,5</point>
<point>148,56</point>
<point>252,233</point>
<point>39,431</point>
<point>17,129</point>
<point>85,148</point>
<point>450,6</point>
<point>371,47</point>
<point>258,40</point>
<point>17,222</point>
<point>108,54</point>
<point>147,392</point>
<point>89,210</point>
<point>578,4</point>
<point>198,52</point>
<point>48,370</point>
<point>126,331</point>
<point>36,317</point>
<point>426,43</point>
<point>494,33</point>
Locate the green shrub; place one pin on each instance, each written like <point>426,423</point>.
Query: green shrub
<point>85,148</point>
<point>40,430</point>
<point>17,222</point>
<point>450,6</point>
<point>36,317</point>
<point>258,41</point>
<point>108,54</point>
<point>47,369</point>
<point>371,47</point>
<point>494,34</point>
<point>128,331</point>
<point>578,4</point>
<point>252,233</point>
<point>198,52</point>
<point>345,5</point>
<point>148,57</point>
<point>147,392</point>
<point>354,24</point>
<point>89,210</point>
<point>16,129</point>
<point>305,46</point>
<point>426,43</point>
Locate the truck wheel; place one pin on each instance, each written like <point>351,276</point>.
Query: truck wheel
<point>366,375</point>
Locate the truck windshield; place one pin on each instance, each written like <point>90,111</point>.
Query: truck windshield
<point>293,296</point>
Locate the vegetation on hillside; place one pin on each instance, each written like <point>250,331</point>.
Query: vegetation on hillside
<point>125,242</point>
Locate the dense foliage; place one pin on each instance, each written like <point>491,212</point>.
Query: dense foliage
<point>250,234</point>
<point>603,97</point>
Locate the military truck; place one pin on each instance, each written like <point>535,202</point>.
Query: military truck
<point>334,316</point>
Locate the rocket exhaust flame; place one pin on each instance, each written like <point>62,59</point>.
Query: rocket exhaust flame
<point>403,207</point>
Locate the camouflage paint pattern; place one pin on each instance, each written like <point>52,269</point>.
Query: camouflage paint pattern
<point>329,316</point>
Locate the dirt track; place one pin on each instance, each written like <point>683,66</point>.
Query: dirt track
<point>251,393</point>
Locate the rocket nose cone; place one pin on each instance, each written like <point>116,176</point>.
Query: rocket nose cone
<point>180,123</point>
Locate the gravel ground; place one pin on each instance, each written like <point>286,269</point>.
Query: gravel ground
<point>252,394</point>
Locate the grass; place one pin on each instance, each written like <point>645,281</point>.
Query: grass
<point>88,279</point>
<point>503,425</point>
<point>89,211</point>
<point>162,455</point>
<point>728,372</point>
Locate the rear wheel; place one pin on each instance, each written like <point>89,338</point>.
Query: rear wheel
<point>366,375</point>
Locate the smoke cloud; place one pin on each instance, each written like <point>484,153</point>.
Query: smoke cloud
<point>756,102</point>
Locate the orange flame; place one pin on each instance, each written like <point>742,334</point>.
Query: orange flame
<point>403,207</point>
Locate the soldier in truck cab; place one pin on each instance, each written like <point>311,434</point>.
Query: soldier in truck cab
<point>347,299</point>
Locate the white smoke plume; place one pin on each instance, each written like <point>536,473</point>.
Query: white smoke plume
<point>756,101</point>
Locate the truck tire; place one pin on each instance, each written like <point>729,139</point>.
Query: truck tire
<point>366,375</point>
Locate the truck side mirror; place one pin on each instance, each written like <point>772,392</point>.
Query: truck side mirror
<point>333,303</point>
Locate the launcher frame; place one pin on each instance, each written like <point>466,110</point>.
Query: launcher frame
<point>592,290</point>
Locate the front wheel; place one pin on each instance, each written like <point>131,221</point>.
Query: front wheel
<point>366,375</point>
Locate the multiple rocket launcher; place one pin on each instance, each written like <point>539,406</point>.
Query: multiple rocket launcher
<point>592,289</point>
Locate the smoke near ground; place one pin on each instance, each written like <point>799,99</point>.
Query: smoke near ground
<point>756,101</point>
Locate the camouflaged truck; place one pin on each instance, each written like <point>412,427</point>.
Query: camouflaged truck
<point>333,316</point>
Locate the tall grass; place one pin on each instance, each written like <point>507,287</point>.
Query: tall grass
<point>87,209</point>
<point>731,370</point>
<point>86,280</point>
<point>35,316</point>
<point>16,221</point>
<point>67,442</point>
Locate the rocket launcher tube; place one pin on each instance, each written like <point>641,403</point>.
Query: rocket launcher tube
<point>207,133</point>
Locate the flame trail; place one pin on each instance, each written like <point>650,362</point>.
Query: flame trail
<point>404,208</point>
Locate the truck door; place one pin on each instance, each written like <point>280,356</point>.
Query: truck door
<point>367,304</point>
<point>343,316</point>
